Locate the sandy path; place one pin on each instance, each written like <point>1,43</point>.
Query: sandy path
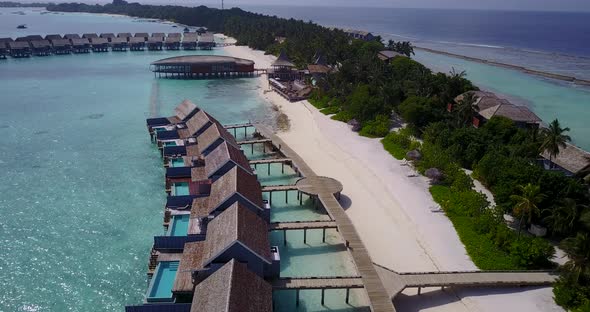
<point>390,211</point>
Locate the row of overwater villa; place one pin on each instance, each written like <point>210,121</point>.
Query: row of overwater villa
<point>38,45</point>
<point>220,249</point>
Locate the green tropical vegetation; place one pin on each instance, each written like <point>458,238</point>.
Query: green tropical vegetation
<point>366,91</point>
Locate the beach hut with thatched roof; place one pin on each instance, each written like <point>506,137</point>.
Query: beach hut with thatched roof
<point>387,56</point>
<point>193,127</point>
<point>570,160</point>
<point>233,288</point>
<point>3,50</point>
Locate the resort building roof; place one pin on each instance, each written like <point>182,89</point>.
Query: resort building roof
<point>237,225</point>
<point>80,41</point>
<point>387,55</point>
<point>124,35</point>
<point>174,35</point>
<point>224,154</point>
<point>39,44</point>
<point>99,41</point>
<point>172,39</point>
<point>16,45</point>
<point>490,105</point>
<point>283,61</point>
<point>60,42</point>
<point>318,69</point>
<point>233,288</point>
<point>89,36</point>
<point>212,135</point>
<point>196,124</point>
<point>203,60</point>
<point>53,37</point>
<point>155,39</point>
<point>184,110</point>
<point>72,36</point>
<point>107,35</point>
<point>571,158</point>
<point>118,40</point>
<point>235,181</point>
<point>158,35</point>
<point>192,259</point>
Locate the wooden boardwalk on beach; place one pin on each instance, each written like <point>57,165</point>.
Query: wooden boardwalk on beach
<point>396,282</point>
<point>378,296</point>
<point>302,225</point>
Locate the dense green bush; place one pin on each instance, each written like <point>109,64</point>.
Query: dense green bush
<point>569,294</point>
<point>531,253</point>
<point>399,143</point>
<point>377,128</point>
<point>330,110</point>
<point>343,116</point>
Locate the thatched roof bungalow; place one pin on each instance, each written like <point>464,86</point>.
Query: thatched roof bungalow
<point>387,56</point>
<point>155,43</point>
<point>184,111</point>
<point>71,36</point>
<point>53,37</point>
<point>61,46</point>
<point>189,41</point>
<point>145,36</point>
<point>175,35</point>
<point>172,43</point>
<point>41,47</point>
<point>224,158</point>
<point>90,36</point>
<point>490,105</point>
<point>237,234</point>
<point>100,45</point>
<point>108,36</point>
<point>206,41</point>
<point>119,44</point>
<point>570,160</point>
<point>19,49</point>
<point>193,127</point>
<point>233,288</point>
<point>81,45</point>
<point>127,36</point>
<point>213,136</point>
<point>136,43</point>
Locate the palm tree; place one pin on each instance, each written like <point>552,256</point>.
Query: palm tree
<point>554,138</point>
<point>526,203</point>
<point>562,218</point>
<point>577,249</point>
<point>466,109</point>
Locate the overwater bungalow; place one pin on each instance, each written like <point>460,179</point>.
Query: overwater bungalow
<point>175,35</point>
<point>189,41</point>
<point>19,49</point>
<point>159,35</point>
<point>236,234</point>
<point>182,113</point>
<point>81,45</point>
<point>207,141</point>
<point>203,66</point>
<point>119,44</point>
<point>489,105</point>
<point>71,36</point>
<point>90,36</point>
<point>53,37</point>
<point>3,50</point>
<point>233,288</point>
<point>172,43</point>
<point>136,44</point>
<point>145,36</point>
<point>193,127</point>
<point>100,45</point>
<point>61,46</point>
<point>41,47</point>
<point>108,36</point>
<point>211,167</point>
<point>126,36</point>
<point>206,41</point>
<point>32,38</point>
<point>155,43</point>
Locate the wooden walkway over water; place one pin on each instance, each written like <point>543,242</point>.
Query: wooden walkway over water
<point>302,225</point>
<point>378,296</point>
<point>257,141</point>
<point>271,161</point>
<point>279,188</point>
<point>342,282</point>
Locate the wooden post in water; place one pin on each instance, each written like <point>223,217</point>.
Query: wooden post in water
<point>305,236</point>
<point>347,295</point>
<point>323,291</point>
<point>284,237</point>
<point>297,297</point>
<point>324,235</point>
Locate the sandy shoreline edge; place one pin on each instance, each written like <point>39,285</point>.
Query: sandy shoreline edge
<point>390,211</point>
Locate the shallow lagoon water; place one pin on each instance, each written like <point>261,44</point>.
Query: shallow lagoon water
<point>82,187</point>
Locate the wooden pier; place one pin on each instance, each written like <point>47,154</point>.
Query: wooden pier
<point>270,161</point>
<point>395,282</point>
<point>303,225</point>
<point>378,296</point>
<point>235,128</point>
<point>318,283</point>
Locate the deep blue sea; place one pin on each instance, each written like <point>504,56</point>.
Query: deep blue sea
<point>551,41</point>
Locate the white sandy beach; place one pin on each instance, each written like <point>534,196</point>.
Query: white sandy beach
<point>391,211</point>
